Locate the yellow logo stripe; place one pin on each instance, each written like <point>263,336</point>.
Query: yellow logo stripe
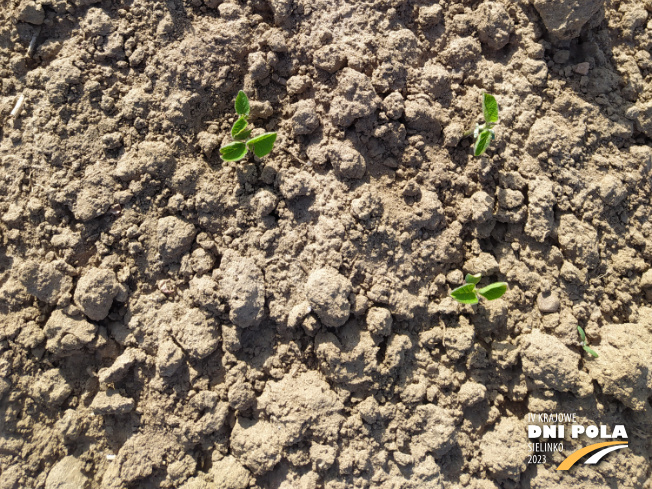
<point>575,456</point>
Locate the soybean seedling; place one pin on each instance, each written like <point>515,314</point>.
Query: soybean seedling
<point>584,344</point>
<point>468,294</point>
<point>484,134</point>
<point>260,145</point>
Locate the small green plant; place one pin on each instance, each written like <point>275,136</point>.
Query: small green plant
<point>468,294</point>
<point>584,344</point>
<point>260,145</point>
<point>484,134</point>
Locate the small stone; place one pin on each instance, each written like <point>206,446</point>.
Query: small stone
<point>582,68</point>
<point>562,56</point>
<point>548,302</point>
<point>137,57</point>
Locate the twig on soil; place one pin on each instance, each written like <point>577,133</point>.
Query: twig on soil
<point>18,107</point>
<point>32,43</point>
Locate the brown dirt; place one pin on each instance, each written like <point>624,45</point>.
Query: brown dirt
<point>171,320</point>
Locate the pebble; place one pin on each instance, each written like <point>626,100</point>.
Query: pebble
<point>548,302</point>
<point>582,68</point>
<point>561,56</point>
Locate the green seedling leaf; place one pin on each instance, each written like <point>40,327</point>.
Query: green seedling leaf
<point>590,351</point>
<point>242,103</point>
<point>262,145</point>
<point>482,142</point>
<point>233,152</point>
<point>493,291</point>
<point>472,279</point>
<point>238,131</point>
<point>490,108</point>
<point>465,294</point>
<point>243,135</point>
<point>586,347</point>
